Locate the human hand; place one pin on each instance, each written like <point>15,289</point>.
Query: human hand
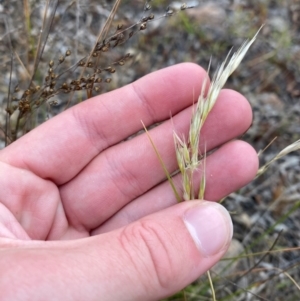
<point>85,216</point>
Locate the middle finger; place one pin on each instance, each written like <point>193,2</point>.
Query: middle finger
<point>129,169</point>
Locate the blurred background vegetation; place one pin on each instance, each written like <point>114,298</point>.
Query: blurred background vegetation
<point>264,262</point>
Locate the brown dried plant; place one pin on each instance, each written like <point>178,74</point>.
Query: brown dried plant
<point>89,74</point>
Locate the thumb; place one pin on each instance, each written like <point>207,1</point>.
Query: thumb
<point>147,260</point>
<point>162,253</point>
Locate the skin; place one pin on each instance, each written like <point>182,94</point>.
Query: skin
<point>85,216</point>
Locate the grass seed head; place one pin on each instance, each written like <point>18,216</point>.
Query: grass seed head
<point>187,154</point>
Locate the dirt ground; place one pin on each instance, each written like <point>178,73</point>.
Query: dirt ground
<point>266,212</point>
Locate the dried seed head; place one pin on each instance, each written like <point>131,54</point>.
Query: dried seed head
<point>61,59</point>
<point>95,54</point>
<point>98,80</point>
<point>97,71</point>
<point>97,89</point>
<point>143,26</point>
<point>75,82</point>
<point>81,63</point>
<point>105,47</point>
<point>50,70</point>
<point>90,64</point>
<point>52,84</point>
<point>17,89</point>
<point>108,80</point>
<point>51,64</point>
<point>24,105</point>
<point>187,154</point>
<point>27,106</point>
<point>53,102</point>
<point>120,26</point>
<point>147,6</point>
<point>110,69</point>
<point>150,17</point>
<point>183,6</point>
<point>169,11</point>
<point>68,52</point>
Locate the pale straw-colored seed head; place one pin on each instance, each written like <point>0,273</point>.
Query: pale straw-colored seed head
<point>187,154</point>
<point>291,148</point>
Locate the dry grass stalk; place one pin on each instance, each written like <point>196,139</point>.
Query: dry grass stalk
<point>291,148</point>
<point>30,99</point>
<point>187,153</point>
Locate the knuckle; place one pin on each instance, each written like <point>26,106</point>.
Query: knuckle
<point>151,251</point>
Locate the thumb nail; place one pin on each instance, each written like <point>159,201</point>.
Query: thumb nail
<point>210,226</point>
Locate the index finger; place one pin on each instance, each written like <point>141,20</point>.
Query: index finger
<point>61,147</point>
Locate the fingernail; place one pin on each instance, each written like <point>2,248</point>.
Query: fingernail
<point>210,227</point>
